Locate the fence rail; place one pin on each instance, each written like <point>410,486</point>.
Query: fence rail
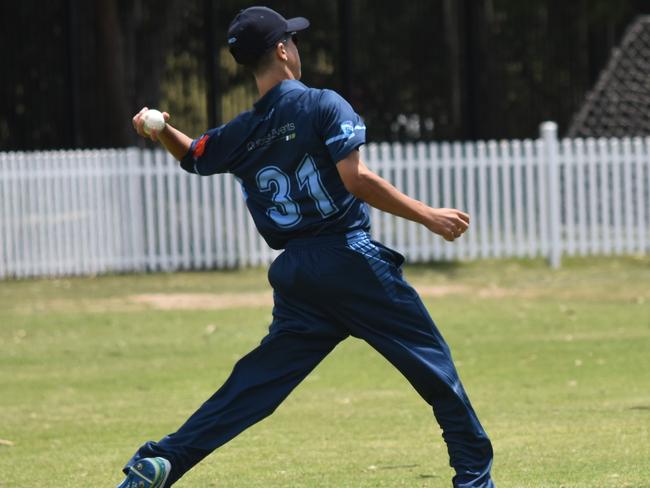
<point>100,211</point>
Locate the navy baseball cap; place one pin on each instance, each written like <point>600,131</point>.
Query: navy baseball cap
<point>255,30</point>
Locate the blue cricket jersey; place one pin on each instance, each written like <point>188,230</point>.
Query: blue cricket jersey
<point>284,153</point>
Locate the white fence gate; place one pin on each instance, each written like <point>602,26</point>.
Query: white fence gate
<point>100,211</point>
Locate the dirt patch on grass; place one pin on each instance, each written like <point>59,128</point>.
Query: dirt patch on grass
<point>428,291</point>
<point>202,301</point>
<point>210,301</point>
<point>221,301</point>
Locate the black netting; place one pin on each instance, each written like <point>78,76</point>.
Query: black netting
<point>619,104</point>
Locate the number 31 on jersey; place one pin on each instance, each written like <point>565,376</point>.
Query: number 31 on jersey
<point>285,211</point>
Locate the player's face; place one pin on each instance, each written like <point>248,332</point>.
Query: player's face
<point>293,55</point>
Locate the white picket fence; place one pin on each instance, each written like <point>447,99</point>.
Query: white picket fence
<point>99,211</point>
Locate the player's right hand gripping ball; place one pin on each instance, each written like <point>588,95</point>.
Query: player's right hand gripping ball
<point>153,120</point>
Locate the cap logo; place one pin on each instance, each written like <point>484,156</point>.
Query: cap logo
<point>232,40</point>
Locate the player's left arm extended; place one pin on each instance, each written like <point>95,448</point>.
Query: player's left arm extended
<point>379,193</point>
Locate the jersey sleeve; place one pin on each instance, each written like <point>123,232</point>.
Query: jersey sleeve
<point>211,153</point>
<point>340,127</point>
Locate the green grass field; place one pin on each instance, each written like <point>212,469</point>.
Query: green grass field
<point>557,364</point>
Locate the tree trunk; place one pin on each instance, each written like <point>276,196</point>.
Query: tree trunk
<point>110,57</point>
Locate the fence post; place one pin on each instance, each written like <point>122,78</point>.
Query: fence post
<point>551,161</point>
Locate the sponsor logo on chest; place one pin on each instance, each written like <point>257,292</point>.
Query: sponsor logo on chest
<point>285,132</point>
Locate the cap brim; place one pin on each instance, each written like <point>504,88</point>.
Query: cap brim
<point>297,24</point>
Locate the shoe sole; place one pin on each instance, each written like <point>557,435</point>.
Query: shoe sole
<point>168,467</point>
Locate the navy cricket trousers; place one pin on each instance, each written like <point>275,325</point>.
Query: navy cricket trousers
<point>325,289</point>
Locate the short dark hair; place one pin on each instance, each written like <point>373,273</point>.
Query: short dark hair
<point>262,63</point>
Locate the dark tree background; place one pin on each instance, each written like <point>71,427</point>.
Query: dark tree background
<point>74,71</point>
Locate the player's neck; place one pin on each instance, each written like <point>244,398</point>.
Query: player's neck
<point>266,81</point>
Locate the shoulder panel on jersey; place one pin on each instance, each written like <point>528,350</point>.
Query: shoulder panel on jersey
<point>340,128</point>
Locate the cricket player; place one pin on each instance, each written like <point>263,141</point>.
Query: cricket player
<point>296,155</point>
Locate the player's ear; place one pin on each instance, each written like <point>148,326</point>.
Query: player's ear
<point>281,51</point>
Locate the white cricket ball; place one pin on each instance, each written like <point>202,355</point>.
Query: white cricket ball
<point>153,120</point>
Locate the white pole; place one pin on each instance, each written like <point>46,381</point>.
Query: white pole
<point>548,133</point>
<point>460,163</point>
<point>5,221</point>
<point>472,234</point>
